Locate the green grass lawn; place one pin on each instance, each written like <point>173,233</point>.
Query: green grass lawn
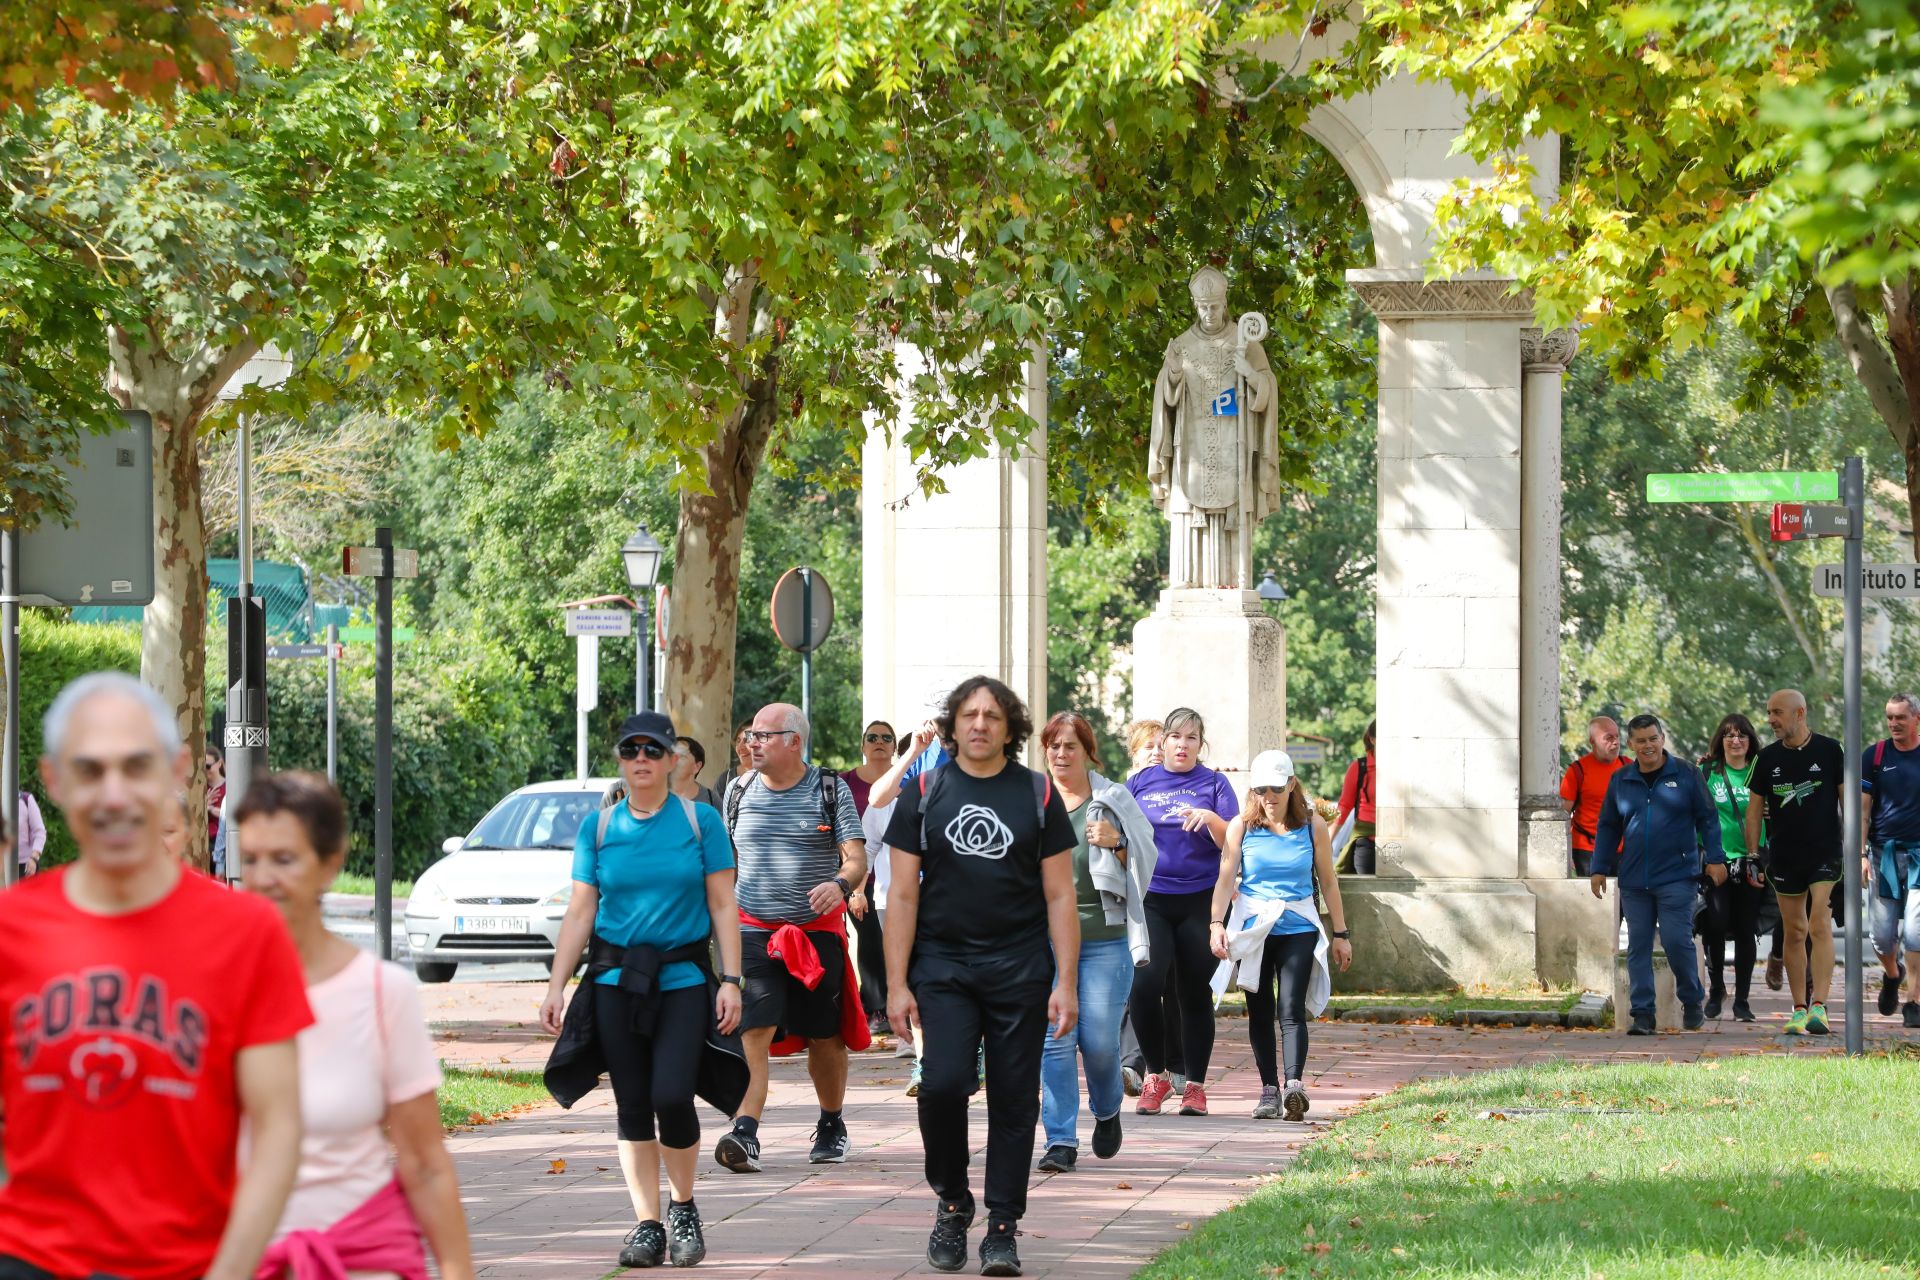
<point>1454,1001</point>
<point>363,885</point>
<point>1794,1167</point>
<point>469,1098</point>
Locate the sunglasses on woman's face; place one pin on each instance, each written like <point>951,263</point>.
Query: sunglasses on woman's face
<point>630,750</point>
<point>1264,792</point>
<point>879,737</point>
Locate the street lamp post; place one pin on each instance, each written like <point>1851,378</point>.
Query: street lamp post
<point>1271,592</point>
<point>642,555</point>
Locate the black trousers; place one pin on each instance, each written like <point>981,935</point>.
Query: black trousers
<point>12,1268</point>
<point>1733,911</point>
<point>1287,965</point>
<point>1131,1054</point>
<point>873,961</point>
<point>653,1074</point>
<point>1182,957</point>
<point>1000,1001</point>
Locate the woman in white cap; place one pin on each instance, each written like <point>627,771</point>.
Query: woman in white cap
<point>1266,927</point>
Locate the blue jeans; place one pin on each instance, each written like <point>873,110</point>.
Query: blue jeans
<point>1106,979</point>
<point>1668,907</point>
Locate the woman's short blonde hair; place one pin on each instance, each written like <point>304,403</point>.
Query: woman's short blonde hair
<point>1142,734</point>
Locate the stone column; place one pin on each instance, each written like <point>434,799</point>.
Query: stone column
<point>1544,357</point>
<point>954,584</point>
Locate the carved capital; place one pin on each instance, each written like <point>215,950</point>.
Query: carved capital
<point>1548,350</point>
<point>1399,295</point>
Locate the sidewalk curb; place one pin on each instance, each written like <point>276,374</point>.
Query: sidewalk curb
<point>1590,1012</point>
<point>356,906</point>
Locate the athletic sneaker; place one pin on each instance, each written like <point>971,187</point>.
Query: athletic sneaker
<point>1817,1020</point>
<point>645,1245</point>
<point>1059,1159</point>
<point>1294,1100</point>
<point>1742,1011</point>
<point>1153,1092</point>
<point>998,1254</point>
<point>1910,1014</point>
<point>1130,1082</point>
<point>947,1246</point>
<point>1193,1099</point>
<point>904,1049</point>
<point>913,1080</point>
<point>1776,973</point>
<point>1693,1017</point>
<point>687,1246</point>
<point>738,1150</point>
<point>1797,1024</point>
<point>1889,994</point>
<point>1642,1025</point>
<point>829,1141</point>
<point>1715,1003</point>
<point>1106,1137</point>
<point>1269,1105</point>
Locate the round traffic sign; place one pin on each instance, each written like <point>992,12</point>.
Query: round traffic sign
<point>800,598</point>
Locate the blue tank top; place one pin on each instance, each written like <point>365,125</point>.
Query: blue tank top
<point>1277,866</point>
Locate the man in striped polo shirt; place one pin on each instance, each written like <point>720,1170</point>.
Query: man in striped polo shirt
<point>799,848</point>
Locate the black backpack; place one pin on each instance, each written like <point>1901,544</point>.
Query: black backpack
<point>829,799</point>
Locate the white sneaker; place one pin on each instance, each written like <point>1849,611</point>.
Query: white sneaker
<point>904,1049</point>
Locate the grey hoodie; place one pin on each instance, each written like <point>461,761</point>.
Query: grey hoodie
<point>1123,889</point>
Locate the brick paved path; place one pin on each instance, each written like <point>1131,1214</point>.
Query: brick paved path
<point>869,1218</point>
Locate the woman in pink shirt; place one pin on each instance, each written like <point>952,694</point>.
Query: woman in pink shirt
<point>374,1170</point>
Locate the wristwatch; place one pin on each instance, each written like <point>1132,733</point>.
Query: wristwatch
<point>732,979</point>
<point>846,890</point>
<point>1343,934</point>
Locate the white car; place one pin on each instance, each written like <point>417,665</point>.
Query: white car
<point>498,896</point>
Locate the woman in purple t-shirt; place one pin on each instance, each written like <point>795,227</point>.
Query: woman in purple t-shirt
<point>1189,806</point>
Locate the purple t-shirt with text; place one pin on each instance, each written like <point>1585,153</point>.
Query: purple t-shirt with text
<point>1189,860</point>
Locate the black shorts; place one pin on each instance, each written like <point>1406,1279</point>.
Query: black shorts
<point>1791,877</point>
<point>773,997</point>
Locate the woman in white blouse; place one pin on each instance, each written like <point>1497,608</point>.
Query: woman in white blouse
<point>374,1170</point>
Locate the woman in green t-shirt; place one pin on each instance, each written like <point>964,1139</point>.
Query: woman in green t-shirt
<point>1733,908</point>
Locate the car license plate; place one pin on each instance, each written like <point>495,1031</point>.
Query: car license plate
<point>492,924</point>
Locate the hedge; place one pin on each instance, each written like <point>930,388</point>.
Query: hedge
<point>464,735</point>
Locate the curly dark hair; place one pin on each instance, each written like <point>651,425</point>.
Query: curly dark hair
<point>1019,720</point>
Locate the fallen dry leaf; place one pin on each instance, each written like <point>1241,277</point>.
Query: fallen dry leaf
<point>557,1166</point>
<point>1123,1186</point>
<point>1321,1247</point>
<point>1183,1226</point>
<point>1354,1222</point>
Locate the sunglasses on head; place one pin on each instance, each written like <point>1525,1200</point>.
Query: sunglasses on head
<point>879,737</point>
<point>630,750</point>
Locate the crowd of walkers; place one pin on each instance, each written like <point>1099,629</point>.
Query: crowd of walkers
<point>1747,842</point>
<point>269,1093</point>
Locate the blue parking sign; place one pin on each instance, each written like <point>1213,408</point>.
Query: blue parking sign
<point>1227,404</point>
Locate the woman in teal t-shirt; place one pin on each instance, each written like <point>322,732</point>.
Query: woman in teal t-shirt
<point>1733,908</point>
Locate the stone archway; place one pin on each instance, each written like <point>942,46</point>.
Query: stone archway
<point>1472,885</point>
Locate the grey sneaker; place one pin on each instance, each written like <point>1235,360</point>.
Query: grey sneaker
<point>1269,1105</point>
<point>1294,1100</point>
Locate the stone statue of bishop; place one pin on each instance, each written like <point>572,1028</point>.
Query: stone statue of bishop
<point>1213,453</point>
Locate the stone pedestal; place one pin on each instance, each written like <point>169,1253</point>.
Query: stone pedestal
<point>1218,652</point>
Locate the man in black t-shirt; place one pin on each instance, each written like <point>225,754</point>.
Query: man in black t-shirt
<point>982,881</point>
<point>1797,782</point>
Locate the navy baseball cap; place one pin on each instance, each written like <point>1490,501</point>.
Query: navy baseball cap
<point>651,726</point>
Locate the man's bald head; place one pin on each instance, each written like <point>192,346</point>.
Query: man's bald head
<point>1787,716</point>
<point>1603,736</point>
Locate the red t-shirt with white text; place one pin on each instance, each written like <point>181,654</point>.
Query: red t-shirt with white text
<point>117,1071</point>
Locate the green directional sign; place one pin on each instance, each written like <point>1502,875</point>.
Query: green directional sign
<point>1744,486</point>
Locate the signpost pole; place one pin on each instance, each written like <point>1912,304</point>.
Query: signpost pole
<point>806,653</point>
<point>383,746</point>
<point>10,649</point>
<point>1853,493</point>
<point>333,701</point>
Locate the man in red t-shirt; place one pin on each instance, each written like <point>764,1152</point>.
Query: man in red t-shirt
<point>146,1013</point>
<point>1584,787</point>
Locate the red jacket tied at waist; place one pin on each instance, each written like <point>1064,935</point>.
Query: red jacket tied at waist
<point>791,946</point>
<point>381,1235</point>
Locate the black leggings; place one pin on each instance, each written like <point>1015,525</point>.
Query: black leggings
<point>1288,963</point>
<point>1733,911</point>
<point>873,959</point>
<point>1182,956</point>
<point>653,1075</point>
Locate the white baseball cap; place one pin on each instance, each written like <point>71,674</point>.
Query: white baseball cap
<point>1271,769</point>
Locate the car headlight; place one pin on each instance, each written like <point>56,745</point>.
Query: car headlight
<point>428,893</point>
<point>560,898</point>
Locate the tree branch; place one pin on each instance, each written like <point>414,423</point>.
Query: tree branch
<point>1871,361</point>
<point>1763,561</point>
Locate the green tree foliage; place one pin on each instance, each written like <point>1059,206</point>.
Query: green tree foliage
<point>1688,610</point>
<point>1717,157</point>
<point>52,655</point>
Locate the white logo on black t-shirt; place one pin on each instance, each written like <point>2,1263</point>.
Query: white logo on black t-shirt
<point>977,832</point>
